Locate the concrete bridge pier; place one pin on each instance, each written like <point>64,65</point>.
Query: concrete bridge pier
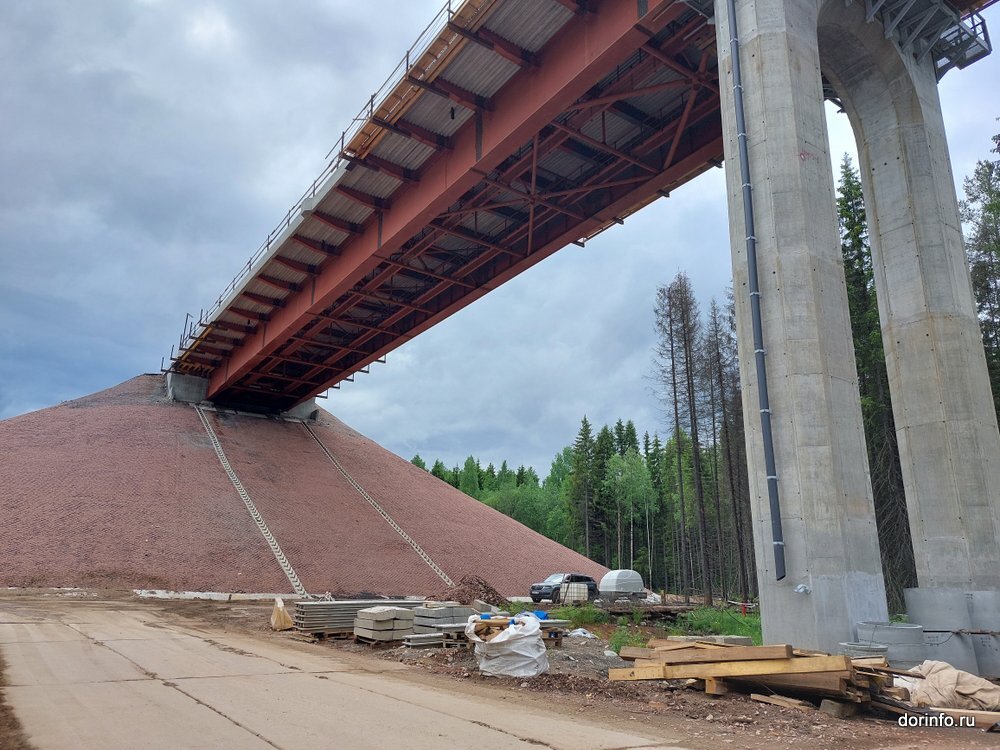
<point>945,421</point>
<point>834,574</point>
<point>942,404</point>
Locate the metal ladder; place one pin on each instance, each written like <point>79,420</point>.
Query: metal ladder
<point>254,513</point>
<point>381,511</point>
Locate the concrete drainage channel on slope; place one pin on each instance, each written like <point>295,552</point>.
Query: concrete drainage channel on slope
<point>381,511</point>
<point>254,513</point>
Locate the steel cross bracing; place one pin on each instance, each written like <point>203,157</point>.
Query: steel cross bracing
<point>398,245</point>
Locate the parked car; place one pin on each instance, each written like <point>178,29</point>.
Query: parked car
<point>551,586</point>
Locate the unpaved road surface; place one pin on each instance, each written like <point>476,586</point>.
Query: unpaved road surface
<point>85,674</point>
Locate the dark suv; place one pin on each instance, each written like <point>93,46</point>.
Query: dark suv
<point>551,586</point>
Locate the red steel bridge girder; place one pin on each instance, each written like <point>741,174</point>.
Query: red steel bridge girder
<point>583,52</point>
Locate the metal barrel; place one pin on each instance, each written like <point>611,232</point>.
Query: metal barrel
<point>904,639</point>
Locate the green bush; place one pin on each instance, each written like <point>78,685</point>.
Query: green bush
<point>585,614</point>
<point>714,621</point>
<point>626,636</point>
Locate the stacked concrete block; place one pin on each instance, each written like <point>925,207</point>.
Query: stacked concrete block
<point>384,623</point>
<point>446,613</point>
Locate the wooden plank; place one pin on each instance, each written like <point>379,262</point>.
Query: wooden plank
<point>715,686</point>
<point>869,661</point>
<point>736,653</point>
<point>781,700</point>
<point>643,672</point>
<point>630,653</point>
<point>898,693</point>
<point>797,665</point>
<point>890,670</point>
<point>666,643</point>
<point>637,652</point>
<point>826,680</point>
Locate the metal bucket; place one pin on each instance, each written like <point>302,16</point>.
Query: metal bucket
<point>904,639</point>
<point>984,610</point>
<point>942,612</point>
<point>856,649</point>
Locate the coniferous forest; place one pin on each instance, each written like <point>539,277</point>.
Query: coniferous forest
<point>674,504</point>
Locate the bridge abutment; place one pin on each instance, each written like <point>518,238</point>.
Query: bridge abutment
<point>834,574</point>
<point>191,389</point>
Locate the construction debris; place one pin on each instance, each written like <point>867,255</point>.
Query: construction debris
<point>470,588</point>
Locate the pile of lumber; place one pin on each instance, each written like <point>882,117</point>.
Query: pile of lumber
<point>383,624</point>
<point>783,676</point>
<point>778,669</point>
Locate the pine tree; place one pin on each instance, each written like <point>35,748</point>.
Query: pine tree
<point>419,462</point>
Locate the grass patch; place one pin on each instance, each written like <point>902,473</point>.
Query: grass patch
<point>714,621</point>
<point>625,635</point>
<point>581,616</point>
<point>11,734</point>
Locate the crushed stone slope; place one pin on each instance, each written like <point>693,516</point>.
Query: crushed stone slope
<point>122,489</point>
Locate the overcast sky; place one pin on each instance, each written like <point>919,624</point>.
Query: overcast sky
<point>147,147</point>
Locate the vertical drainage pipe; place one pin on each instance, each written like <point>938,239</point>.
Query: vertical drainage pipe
<point>758,334</point>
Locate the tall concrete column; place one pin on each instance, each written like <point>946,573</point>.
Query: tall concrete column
<point>943,408</point>
<point>834,574</point>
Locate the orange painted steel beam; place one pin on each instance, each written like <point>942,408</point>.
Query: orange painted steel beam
<point>579,56</point>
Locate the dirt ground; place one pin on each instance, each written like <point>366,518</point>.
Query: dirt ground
<point>576,684</point>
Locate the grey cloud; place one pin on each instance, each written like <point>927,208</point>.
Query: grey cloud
<point>150,146</point>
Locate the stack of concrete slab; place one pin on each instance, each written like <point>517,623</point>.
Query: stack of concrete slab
<point>383,623</point>
<point>331,617</point>
<point>427,617</point>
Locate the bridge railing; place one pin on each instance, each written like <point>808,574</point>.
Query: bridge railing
<point>423,43</point>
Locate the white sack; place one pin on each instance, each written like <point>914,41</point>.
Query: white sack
<point>517,651</point>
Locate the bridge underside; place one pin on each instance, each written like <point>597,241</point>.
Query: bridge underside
<point>523,128</point>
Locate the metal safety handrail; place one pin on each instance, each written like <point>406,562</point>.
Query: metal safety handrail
<point>423,43</point>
